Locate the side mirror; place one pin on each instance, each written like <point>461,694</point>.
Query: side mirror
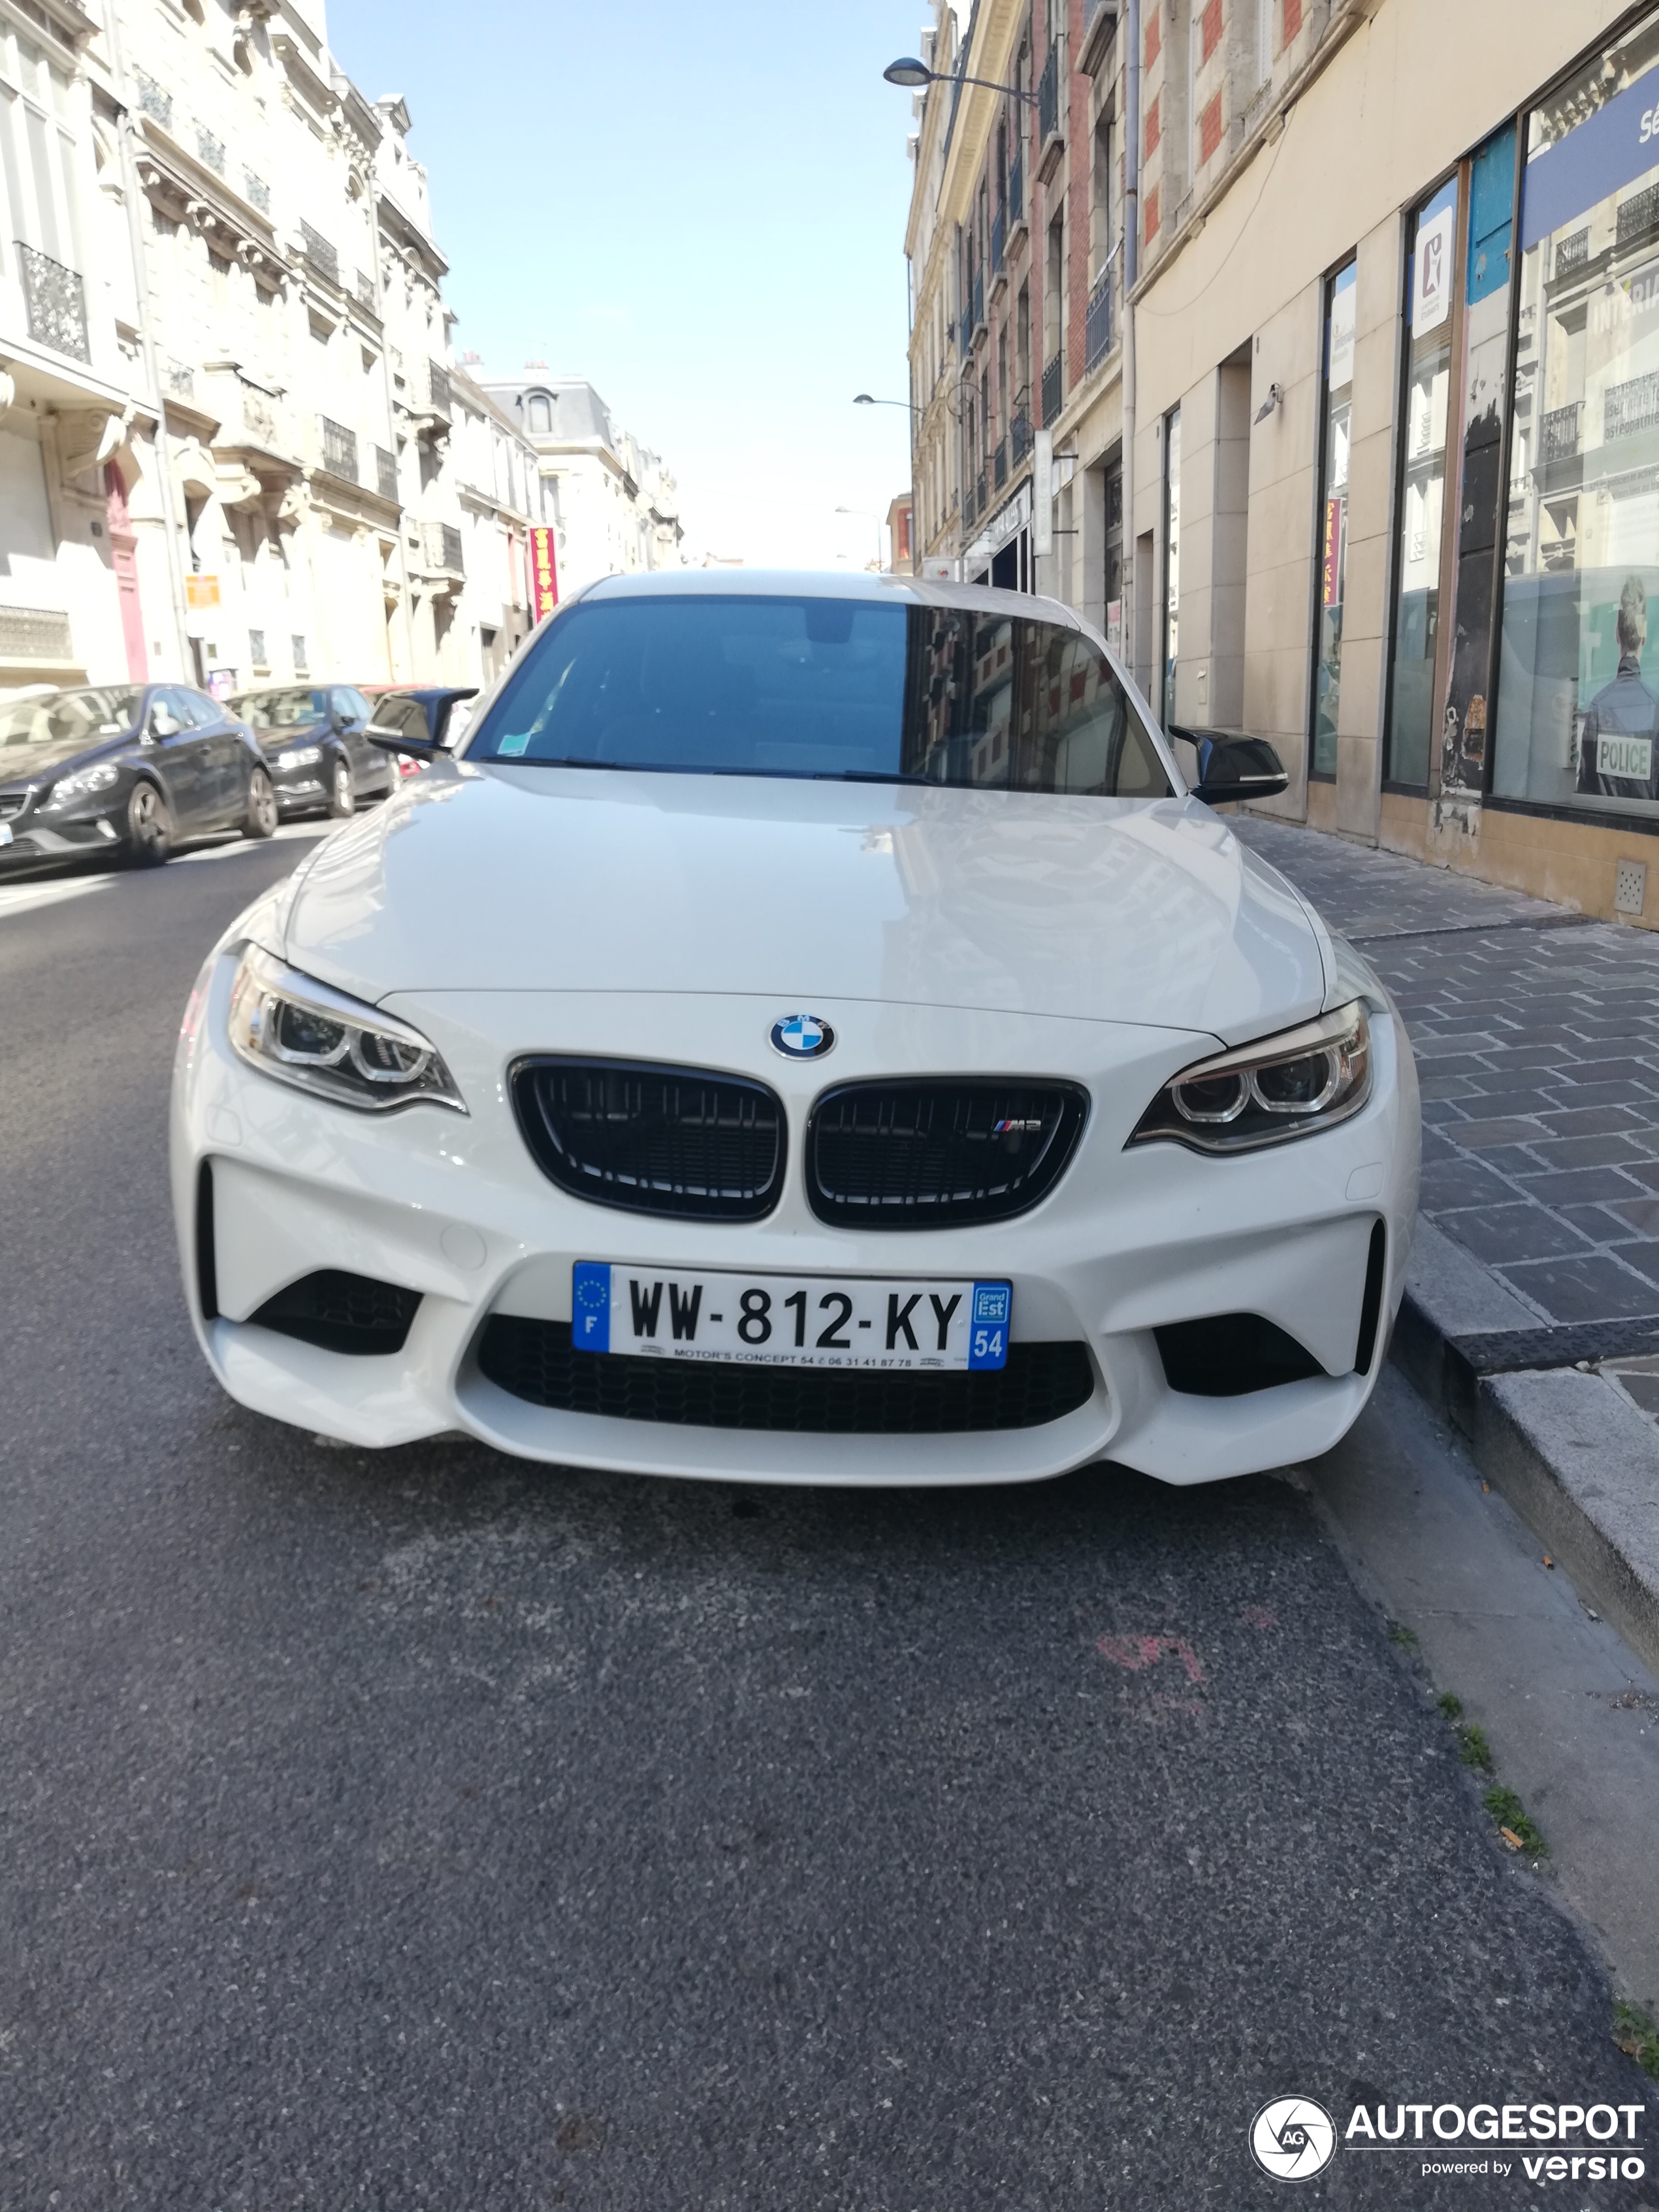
<point>1230,768</point>
<point>415,721</point>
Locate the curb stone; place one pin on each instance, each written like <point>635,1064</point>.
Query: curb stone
<point>1569,1452</point>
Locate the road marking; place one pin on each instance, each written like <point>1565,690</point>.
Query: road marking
<point>21,898</point>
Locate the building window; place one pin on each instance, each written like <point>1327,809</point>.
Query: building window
<point>40,218</point>
<point>299,667</point>
<point>1421,504</point>
<point>1341,292</point>
<point>256,651</point>
<point>541,413</point>
<point>1577,721</point>
<point>1171,562</point>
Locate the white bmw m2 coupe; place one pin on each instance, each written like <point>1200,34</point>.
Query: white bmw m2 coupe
<point>808,1030</point>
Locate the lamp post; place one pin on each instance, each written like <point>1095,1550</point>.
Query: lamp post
<point>914,76</point>
<point>869,516</point>
<point>863,399</point>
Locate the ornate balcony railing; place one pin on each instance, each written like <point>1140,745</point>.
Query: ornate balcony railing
<point>55,303</point>
<point>1019,431</point>
<point>999,235</point>
<point>210,151</point>
<point>443,547</point>
<point>1638,215</point>
<point>999,463</point>
<point>257,192</point>
<point>153,100</point>
<point>1053,388</point>
<point>980,501</point>
<point>1572,252</point>
<point>365,288</point>
<point>1017,187</point>
<point>258,417</point>
<point>320,253</point>
<point>1558,433</point>
<point>386,473</point>
<point>180,378</point>
<point>1048,98</point>
<point>968,324</point>
<point>967,507</point>
<point>1631,407</point>
<point>1098,321</point>
<point>339,449</point>
<point>979,298</point>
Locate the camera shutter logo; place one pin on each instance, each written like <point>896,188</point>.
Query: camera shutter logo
<point>1292,2139</point>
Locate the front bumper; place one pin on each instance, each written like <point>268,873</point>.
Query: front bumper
<point>32,838</point>
<point>454,1208</point>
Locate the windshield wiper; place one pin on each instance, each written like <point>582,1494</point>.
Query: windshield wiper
<point>871,775</point>
<point>541,760</point>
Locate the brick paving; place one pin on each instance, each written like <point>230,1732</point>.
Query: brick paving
<point>1537,1042</point>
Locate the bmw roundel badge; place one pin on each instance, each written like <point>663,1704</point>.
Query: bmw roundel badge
<point>802,1036</point>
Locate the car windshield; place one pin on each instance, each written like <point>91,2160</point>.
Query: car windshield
<point>279,710</point>
<point>62,722</point>
<point>825,687</point>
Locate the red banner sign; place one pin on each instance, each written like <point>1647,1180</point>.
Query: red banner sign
<point>544,574</point>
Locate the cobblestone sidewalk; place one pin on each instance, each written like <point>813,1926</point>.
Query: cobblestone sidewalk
<point>1537,1042</point>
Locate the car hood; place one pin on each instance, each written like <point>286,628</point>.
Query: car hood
<point>514,880</point>
<point>21,764</point>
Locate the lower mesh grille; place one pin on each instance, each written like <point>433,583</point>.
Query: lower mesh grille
<point>340,1312</point>
<point>937,1153</point>
<point>1230,1355</point>
<point>534,1360</point>
<point>679,1141</point>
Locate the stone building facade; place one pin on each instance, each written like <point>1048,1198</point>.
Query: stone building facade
<point>232,448</point>
<point>1357,433</point>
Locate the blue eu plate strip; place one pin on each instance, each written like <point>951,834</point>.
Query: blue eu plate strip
<point>987,1327</point>
<point>590,1306</point>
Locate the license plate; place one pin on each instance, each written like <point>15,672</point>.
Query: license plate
<point>789,1320</point>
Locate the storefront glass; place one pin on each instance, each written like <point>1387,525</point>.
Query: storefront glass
<point>1578,722</point>
<point>1339,294</point>
<point>1171,559</point>
<point>1430,274</point>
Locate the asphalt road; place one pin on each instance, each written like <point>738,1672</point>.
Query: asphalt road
<point>425,1829</point>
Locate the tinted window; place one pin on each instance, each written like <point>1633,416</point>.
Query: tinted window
<point>351,704</point>
<point>203,712</point>
<point>56,719</point>
<point>826,688</point>
<point>283,710</point>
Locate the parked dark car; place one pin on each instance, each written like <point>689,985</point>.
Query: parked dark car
<point>312,737</point>
<point>124,769</point>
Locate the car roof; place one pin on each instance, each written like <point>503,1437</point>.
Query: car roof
<point>830,584</point>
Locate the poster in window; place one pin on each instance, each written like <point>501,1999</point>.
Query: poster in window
<point>1431,272</point>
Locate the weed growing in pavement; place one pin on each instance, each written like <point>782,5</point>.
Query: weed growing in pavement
<point>1472,1743</point>
<point>1404,1636</point>
<point>1515,1825</point>
<point>1634,2032</point>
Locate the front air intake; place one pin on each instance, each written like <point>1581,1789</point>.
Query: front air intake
<point>1229,1355</point>
<point>342,1313</point>
<point>940,1153</point>
<point>679,1141</point>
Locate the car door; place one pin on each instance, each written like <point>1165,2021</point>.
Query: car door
<point>351,711</point>
<point>227,758</point>
<point>182,754</point>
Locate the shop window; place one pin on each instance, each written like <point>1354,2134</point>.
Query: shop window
<point>1341,292</point>
<point>1171,561</point>
<point>1422,490</point>
<point>1578,720</point>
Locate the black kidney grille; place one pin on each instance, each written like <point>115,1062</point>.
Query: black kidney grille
<point>936,1154</point>
<point>671,1140</point>
<point>534,1360</point>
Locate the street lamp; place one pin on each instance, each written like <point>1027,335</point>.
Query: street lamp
<point>869,516</point>
<point>914,76</point>
<point>863,399</point>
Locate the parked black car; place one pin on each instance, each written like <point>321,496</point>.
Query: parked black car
<point>311,736</point>
<point>127,769</point>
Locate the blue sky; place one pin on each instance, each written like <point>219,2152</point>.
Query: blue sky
<point>701,207</point>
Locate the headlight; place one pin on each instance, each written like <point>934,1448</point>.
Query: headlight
<point>299,757</point>
<point>1290,1085</point>
<point>82,783</point>
<point>302,1032</point>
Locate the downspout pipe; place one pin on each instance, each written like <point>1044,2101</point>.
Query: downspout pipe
<point>130,192</point>
<point>1131,272</point>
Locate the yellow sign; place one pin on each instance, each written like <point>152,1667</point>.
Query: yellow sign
<point>202,591</point>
